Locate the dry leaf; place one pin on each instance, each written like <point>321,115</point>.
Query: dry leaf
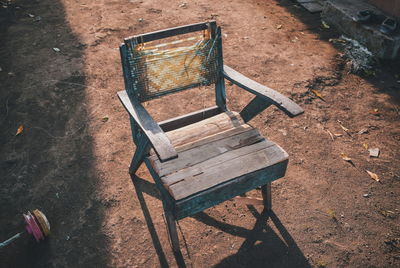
<point>325,25</point>
<point>338,135</point>
<point>365,145</point>
<point>316,93</point>
<point>19,130</point>
<point>344,128</point>
<point>375,112</point>
<point>373,175</point>
<point>345,157</point>
<point>362,131</point>
<point>330,134</point>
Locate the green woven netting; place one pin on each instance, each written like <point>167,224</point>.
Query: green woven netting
<point>164,68</point>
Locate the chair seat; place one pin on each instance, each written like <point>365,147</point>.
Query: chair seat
<point>214,151</point>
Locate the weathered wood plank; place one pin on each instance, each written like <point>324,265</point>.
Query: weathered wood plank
<point>160,142</point>
<point>222,168</point>
<point>255,106</point>
<point>187,119</point>
<point>214,162</point>
<point>207,139</point>
<point>214,137</point>
<point>282,102</point>
<point>227,190</point>
<point>204,152</point>
<point>204,128</point>
<point>147,37</point>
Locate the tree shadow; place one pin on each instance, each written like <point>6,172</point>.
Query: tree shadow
<point>50,165</point>
<point>261,246</point>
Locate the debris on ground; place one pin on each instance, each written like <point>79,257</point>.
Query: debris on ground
<point>363,131</point>
<point>374,152</point>
<point>19,130</point>
<point>325,25</point>
<point>359,58</point>
<point>347,159</point>
<point>345,129</point>
<point>316,93</point>
<point>373,175</point>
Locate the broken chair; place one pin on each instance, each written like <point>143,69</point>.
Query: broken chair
<point>203,158</point>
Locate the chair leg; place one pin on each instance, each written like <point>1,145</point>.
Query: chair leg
<point>172,231</point>
<point>138,157</point>
<point>267,196</point>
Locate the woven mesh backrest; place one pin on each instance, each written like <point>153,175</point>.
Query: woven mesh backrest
<point>165,68</point>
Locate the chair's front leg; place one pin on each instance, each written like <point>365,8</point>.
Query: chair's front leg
<point>173,234</point>
<point>267,196</point>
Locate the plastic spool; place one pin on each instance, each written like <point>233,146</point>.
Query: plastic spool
<point>37,224</point>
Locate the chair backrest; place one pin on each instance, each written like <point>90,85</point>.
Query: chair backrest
<point>153,69</point>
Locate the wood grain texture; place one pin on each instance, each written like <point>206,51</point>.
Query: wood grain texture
<point>198,154</point>
<point>160,142</point>
<point>190,118</point>
<point>282,102</point>
<point>227,190</point>
<point>204,128</point>
<point>147,37</point>
<point>223,167</point>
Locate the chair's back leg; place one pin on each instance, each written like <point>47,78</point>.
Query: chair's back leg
<point>172,231</point>
<point>220,94</point>
<point>267,196</point>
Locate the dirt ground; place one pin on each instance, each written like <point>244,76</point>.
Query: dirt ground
<point>71,160</point>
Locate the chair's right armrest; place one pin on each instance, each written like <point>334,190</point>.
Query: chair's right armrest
<point>158,139</point>
<point>283,103</point>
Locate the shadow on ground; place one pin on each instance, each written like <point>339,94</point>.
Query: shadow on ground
<point>385,75</point>
<point>262,244</point>
<point>49,165</point>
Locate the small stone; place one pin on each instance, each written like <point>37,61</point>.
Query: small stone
<point>366,195</point>
<point>141,20</point>
<point>373,152</point>
<point>56,49</point>
<point>67,237</point>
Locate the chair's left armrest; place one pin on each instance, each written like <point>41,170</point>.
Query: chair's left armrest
<point>284,103</point>
<point>157,137</point>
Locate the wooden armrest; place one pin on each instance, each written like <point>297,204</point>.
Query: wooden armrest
<point>160,142</point>
<point>285,104</point>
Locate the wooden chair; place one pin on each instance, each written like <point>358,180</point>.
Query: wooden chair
<point>203,158</point>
